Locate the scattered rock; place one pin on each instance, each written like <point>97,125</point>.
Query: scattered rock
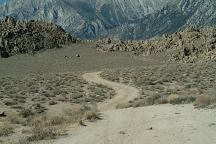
<point>78,55</point>
<point>82,123</point>
<point>151,128</point>
<point>122,132</point>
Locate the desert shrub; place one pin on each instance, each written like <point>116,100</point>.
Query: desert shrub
<point>188,86</point>
<point>92,116</point>
<point>74,115</point>
<point>44,132</point>
<point>139,103</point>
<point>183,100</point>
<point>10,102</point>
<point>123,105</point>
<point>204,101</point>
<point>176,99</point>
<point>25,113</point>
<point>207,99</point>
<point>6,129</point>
<point>163,100</point>
<point>57,120</point>
<point>43,128</point>
<point>15,118</point>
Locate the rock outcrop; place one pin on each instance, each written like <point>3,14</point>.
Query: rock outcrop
<point>190,45</point>
<point>18,37</point>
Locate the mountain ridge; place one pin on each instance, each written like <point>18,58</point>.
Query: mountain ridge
<point>128,19</point>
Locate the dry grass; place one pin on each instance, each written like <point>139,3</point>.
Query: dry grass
<point>206,100</point>
<point>46,127</point>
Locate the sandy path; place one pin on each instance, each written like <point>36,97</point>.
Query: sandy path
<point>124,93</point>
<point>180,124</point>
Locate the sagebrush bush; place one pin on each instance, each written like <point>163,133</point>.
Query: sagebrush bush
<point>44,133</point>
<point>92,116</point>
<point>207,99</point>
<point>204,101</point>
<point>6,129</point>
<point>14,118</point>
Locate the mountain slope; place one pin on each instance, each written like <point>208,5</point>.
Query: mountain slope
<point>83,18</point>
<point>126,19</point>
<point>172,18</point>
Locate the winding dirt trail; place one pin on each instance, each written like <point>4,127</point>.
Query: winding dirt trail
<point>161,124</point>
<point>124,93</point>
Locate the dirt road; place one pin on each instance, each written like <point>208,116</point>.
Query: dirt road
<point>161,124</point>
<point>124,93</point>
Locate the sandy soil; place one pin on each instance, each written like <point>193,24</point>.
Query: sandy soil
<point>161,124</point>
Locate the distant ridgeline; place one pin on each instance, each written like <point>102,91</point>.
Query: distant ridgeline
<point>17,37</point>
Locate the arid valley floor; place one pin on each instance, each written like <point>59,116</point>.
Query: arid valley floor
<point>107,72</point>
<point>105,98</point>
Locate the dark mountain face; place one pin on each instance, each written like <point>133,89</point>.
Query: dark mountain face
<point>126,19</point>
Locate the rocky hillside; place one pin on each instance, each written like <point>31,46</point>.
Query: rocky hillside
<point>190,45</point>
<point>125,19</point>
<point>28,37</point>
